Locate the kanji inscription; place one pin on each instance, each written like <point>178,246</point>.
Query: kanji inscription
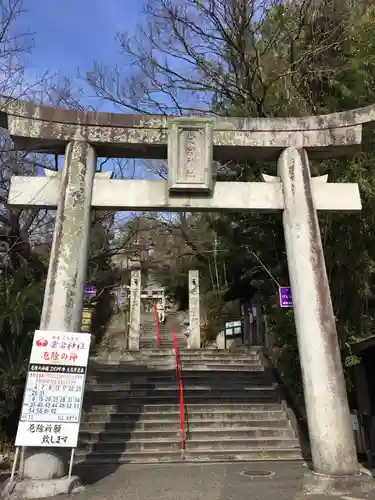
<point>191,150</point>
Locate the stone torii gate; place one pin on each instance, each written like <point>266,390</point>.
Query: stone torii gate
<point>191,145</point>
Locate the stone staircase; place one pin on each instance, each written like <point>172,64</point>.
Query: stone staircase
<point>148,332</point>
<point>233,410</point>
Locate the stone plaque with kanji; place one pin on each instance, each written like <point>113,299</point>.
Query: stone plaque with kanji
<point>190,155</point>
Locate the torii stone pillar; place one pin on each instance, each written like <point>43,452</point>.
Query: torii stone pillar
<point>194,339</point>
<point>135,306</point>
<point>63,296</point>
<point>331,436</point>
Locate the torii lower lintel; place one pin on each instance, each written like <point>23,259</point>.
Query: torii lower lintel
<point>144,195</point>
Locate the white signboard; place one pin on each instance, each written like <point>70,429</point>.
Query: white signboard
<point>52,403</point>
<point>233,324</point>
<point>233,328</point>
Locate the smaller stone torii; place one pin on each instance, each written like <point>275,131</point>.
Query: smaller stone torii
<point>191,145</point>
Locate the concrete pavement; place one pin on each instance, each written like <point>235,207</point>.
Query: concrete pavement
<point>227,481</point>
<point>223,481</point>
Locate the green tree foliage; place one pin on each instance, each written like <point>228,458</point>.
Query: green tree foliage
<point>21,297</point>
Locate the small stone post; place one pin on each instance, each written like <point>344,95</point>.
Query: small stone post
<point>194,340</point>
<point>135,306</point>
<point>331,435</point>
<point>63,297</point>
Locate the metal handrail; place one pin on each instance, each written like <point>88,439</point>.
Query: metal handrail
<point>180,391</point>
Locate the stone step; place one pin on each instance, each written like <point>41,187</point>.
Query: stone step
<point>199,435</point>
<point>130,378</point>
<point>120,403</point>
<point>192,409</point>
<point>140,355</point>
<point>151,332</point>
<point>163,344</point>
<point>150,324</point>
<point>170,365</point>
<point>241,443</point>
<point>108,383</point>
<point>151,335</point>
<point>239,350</point>
<point>228,355</point>
<point>144,345</point>
<point>206,378</point>
<point>230,360</point>
<point>192,386</point>
<point>108,458</point>
<point>202,377</point>
<point>119,373</point>
<point>169,355</point>
<point>120,367</point>
<point>188,386</point>
<point>93,424</point>
<point>223,367</point>
<point>118,390</point>
<point>162,365</point>
<point>243,455</point>
<point>218,360</point>
<point>146,353</point>
<point>202,456</point>
<point>225,394</point>
<point>247,351</point>
<point>111,361</point>
<point>167,332</point>
<point>153,343</point>
<point>163,327</point>
<point>172,386</point>
<point>231,364</point>
<point>147,332</point>
<point>119,445</point>
<point>194,417</point>
<point>185,355</point>
<point>160,351</point>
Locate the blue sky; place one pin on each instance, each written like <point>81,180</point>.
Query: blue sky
<point>71,34</point>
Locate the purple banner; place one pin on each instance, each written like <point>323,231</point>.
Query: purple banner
<point>285,296</point>
<point>90,291</point>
